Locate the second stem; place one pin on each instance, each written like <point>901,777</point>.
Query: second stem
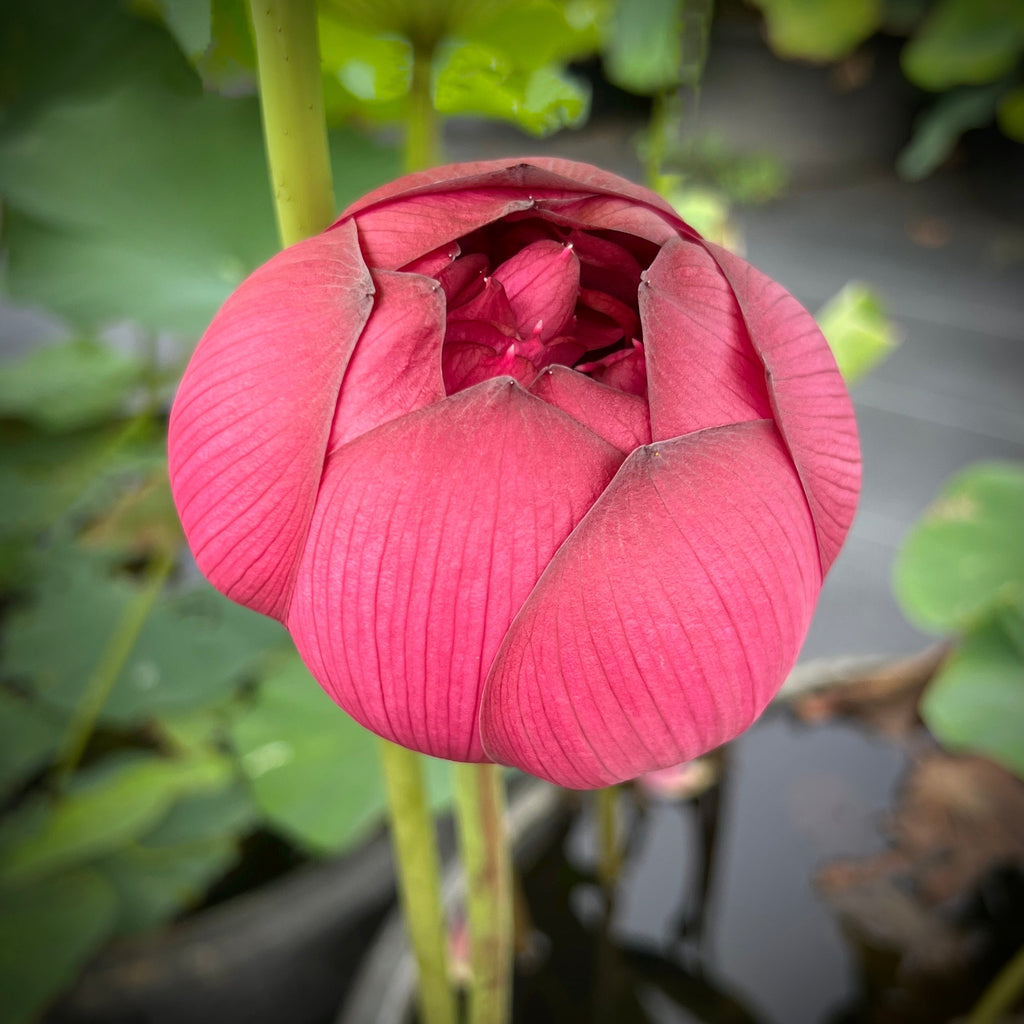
<point>480,804</point>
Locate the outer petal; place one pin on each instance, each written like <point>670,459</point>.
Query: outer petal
<point>408,218</point>
<point>396,367</point>
<point>620,418</point>
<point>538,175</point>
<point>428,535</point>
<point>249,427</point>
<point>811,404</point>
<point>666,621</point>
<point>702,370</point>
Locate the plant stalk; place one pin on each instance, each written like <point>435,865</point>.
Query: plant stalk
<point>108,669</point>
<point>419,880</point>
<point>294,130</point>
<point>609,851</point>
<point>295,135</point>
<point>483,838</point>
<point>422,129</point>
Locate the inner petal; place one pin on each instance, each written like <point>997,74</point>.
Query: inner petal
<point>542,283</point>
<point>525,293</point>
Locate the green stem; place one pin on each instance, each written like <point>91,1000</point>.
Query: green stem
<point>1000,997</point>
<point>294,130</point>
<point>422,129</point>
<point>419,880</point>
<point>609,855</point>
<point>657,140</point>
<point>480,804</point>
<point>108,669</point>
<point>296,141</point>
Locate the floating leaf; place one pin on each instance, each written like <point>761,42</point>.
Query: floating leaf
<point>976,702</point>
<point>108,807</point>
<point>965,42</point>
<point>937,130</point>
<point>858,331</point>
<point>965,556</point>
<point>313,770</point>
<point>47,932</point>
<point>63,387</point>
<point>820,30</point>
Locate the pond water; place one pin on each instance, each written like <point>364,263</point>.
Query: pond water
<point>770,950</point>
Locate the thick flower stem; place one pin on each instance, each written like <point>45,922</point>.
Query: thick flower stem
<point>291,98</point>
<point>480,804</point>
<point>295,134</point>
<point>419,880</point>
<point>421,123</point>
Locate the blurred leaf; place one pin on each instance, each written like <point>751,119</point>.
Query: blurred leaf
<point>965,42</point>
<point>819,30</point>
<point>107,807</point>
<point>53,48</point>
<point>140,202</point>
<point>191,652</point>
<point>742,177</point>
<point>28,739</point>
<point>427,22</point>
<point>976,702</point>
<point>1010,114</point>
<point>66,386</point>
<point>41,475</point>
<point>141,522</point>
<point>857,330</point>
<point>136,204</point>
<point>199,817</point>
<point>938,128</point>
<point>902,16</point>
<point>171,867</point>
<point>47,932</point>
<point>471,78</point>
<point>155,883</point>
<point>965,556</point>
<point>703,209</point>
<point>187,20</point>
<point>373,68</point>
<point>536,33</point>
<point>643,53</point>
<point>313,770</point>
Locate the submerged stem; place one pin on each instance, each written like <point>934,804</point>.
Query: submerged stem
<point>480,804</point>
<point>419,880</point>
<point>291,98</point>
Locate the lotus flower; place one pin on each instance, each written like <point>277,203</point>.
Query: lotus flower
<point>531,472</point>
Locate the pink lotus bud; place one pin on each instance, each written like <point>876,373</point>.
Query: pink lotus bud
<point>530,471</point>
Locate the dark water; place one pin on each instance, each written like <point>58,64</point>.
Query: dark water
<point>769,950</point>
